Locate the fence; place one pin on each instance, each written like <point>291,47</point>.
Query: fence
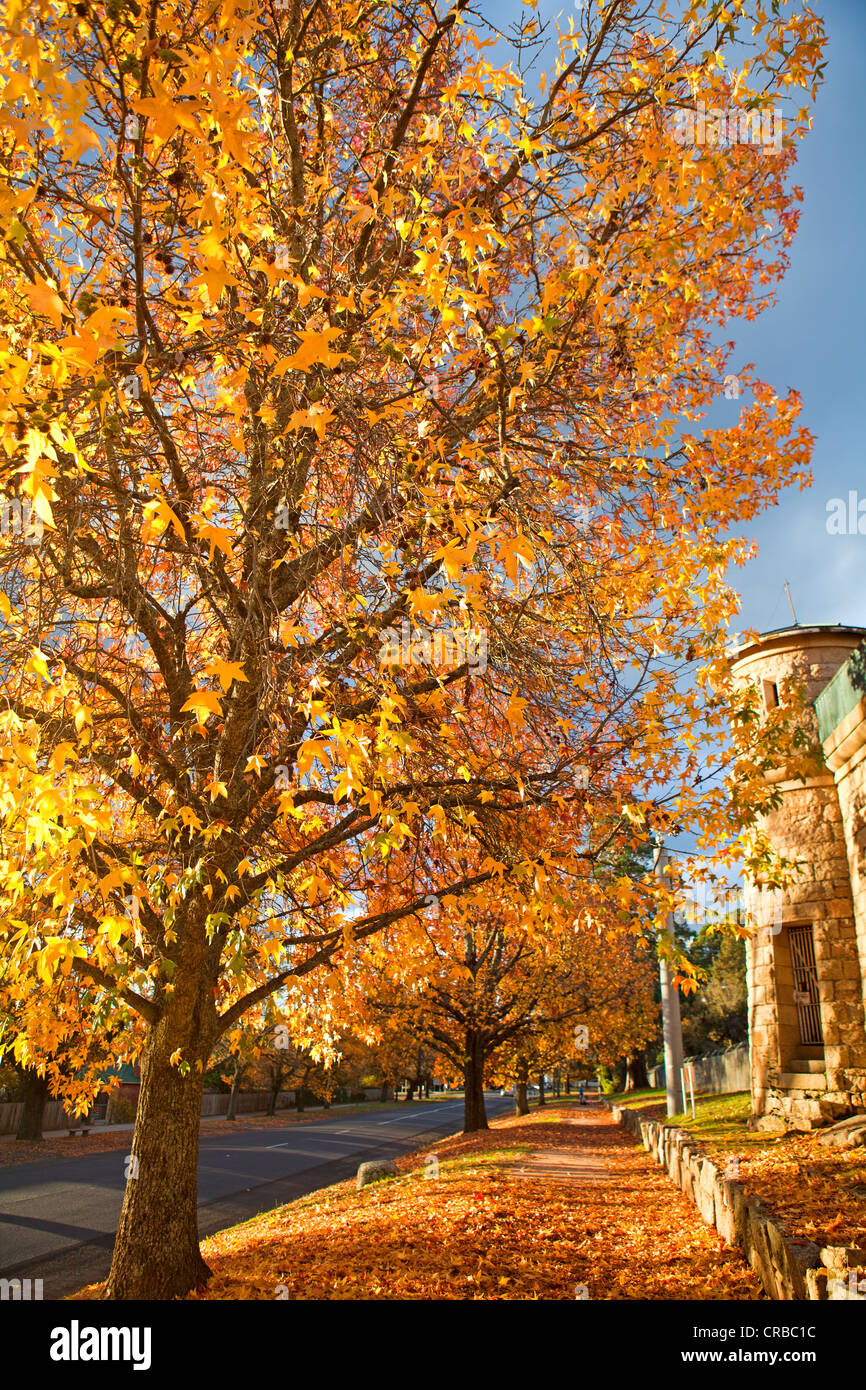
<point>246,1101</point>
<point>720,1072</point>
<point>56,1117</point>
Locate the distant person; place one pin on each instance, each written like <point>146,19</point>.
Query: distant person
<point>580,1094</point>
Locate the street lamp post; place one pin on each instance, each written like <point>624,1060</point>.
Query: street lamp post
<point>671,1022</point>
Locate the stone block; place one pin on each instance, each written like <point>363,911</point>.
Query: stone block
<point>801,1257</point>
<point>816,1284</point>
<point>760,1254</point>
<point>724,1211</point>
<point>705,1191</point>
<point>778,1259</point>
<point>375,1171</point>
<point>768,1124</point>
<point>848,1134</point>
<point>740,1207</point>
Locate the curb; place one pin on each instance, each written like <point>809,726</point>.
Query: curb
<point>789,1269</point>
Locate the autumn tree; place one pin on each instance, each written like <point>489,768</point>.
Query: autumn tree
<point>401,1052</point>
<point>490,988</point>
<point>599,1001</point>
<point>318,327</point>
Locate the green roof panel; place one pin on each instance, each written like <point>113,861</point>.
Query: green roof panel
<point>843,693</point>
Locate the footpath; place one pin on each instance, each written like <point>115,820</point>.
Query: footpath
<point>558,1204</point>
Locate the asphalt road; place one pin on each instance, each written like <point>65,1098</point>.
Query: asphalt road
<point>57,1219</point>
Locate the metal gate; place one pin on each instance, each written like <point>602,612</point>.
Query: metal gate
<point>805,985</point>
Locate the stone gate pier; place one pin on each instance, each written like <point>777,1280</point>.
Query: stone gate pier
<point>806,965</point>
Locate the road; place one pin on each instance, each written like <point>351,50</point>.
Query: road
<point>57,1218</point>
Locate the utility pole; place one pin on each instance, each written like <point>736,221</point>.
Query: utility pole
<point>671,1023</point>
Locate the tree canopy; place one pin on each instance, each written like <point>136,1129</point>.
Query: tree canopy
<point>352,381</point>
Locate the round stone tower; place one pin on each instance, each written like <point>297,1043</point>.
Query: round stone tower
<point>806,1029</point>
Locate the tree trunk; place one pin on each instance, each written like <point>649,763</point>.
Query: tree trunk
<point>426,1090</point>
<point>299,1099</point>
<point>156,1251</point>
<point>35,1096</point>
<point>635,1073</point>
<point>474,1113</point>
<point>521,1098</point>
<point>386,1093</point>
<point>275,1091</point>
<point>410,1090</point>
<point>541,1099</point>
<point>567,1084</point>
<point>232,1112</point>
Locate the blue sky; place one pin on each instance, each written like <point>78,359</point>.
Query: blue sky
<point>812,341</point>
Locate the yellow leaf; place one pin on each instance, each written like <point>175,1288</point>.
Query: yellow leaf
<point>45,300</point>
<point>317,418</point>
<point>226,672</point>
<point>314,349</point>
<point>203,700</point>
<point>38,664</point>
<point>514,552</point>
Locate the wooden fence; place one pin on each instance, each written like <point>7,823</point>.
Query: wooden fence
<point>720,1072</point>
<point>56,1117</point>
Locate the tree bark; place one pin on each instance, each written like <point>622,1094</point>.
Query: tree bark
<point>156,1250</point>
<point>35,1097</point>
<point>275,1091</point>
<point>474,1113</point>
<point>541,1097</point>
<point>635,1072</point>
<point>232,1112</point>
<point>521,1097</point>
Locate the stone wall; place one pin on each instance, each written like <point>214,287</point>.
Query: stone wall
<point>845,753</point>
<point>797,1085</point>
<point>789,1269</point>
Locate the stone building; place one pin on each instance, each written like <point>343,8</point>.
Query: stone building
<point>806,965</point>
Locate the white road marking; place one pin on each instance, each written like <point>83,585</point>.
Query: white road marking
<point>412,1115</point>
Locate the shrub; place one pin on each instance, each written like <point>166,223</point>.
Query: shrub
<point>122,1111</point>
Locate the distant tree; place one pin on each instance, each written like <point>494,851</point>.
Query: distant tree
<point>716,1015</point>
